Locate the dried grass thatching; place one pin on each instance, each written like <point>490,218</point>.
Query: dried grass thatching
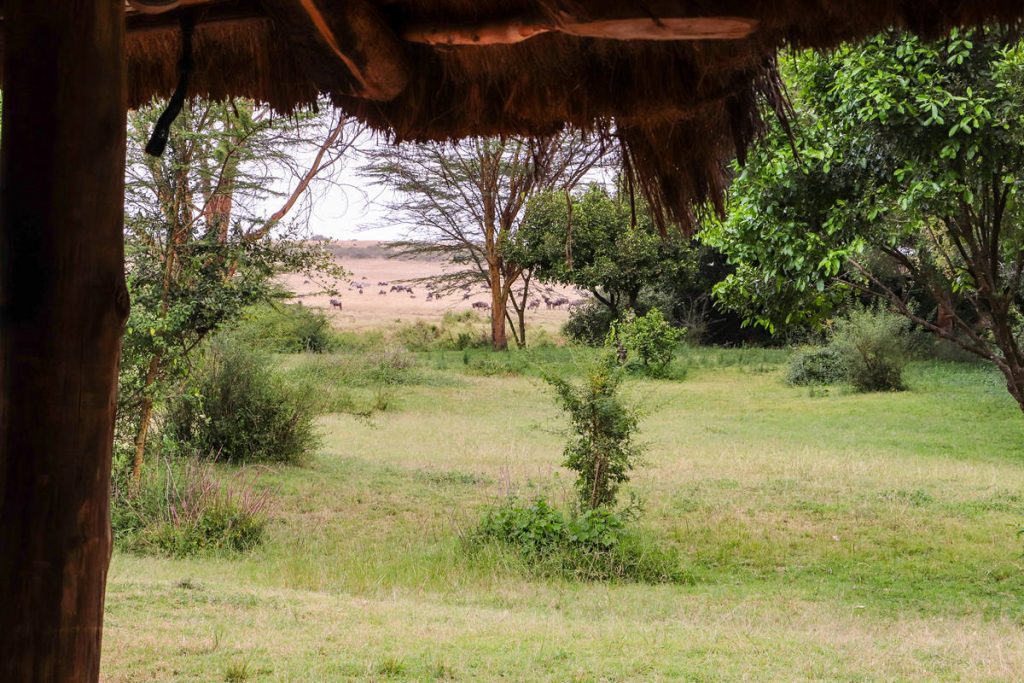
<point>680,107</point>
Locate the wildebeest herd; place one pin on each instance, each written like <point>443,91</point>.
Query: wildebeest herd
<point>550,298</point>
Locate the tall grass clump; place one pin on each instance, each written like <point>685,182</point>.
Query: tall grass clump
<point>184,509</point>
<point>239,409</point>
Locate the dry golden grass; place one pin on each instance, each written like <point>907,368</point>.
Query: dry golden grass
<point>368,264</point>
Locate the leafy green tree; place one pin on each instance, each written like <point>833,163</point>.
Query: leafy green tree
<point>201,244</point>
<point>905,186</point>
<point>608,245</point>
<point>592,241</point>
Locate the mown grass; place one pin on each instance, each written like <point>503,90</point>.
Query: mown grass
<point>824,536</point>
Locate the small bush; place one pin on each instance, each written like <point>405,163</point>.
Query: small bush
<point>456,332</point>
<point>588,324</point>
<point>649,340</point>
<point>420,336</point>
<point>815,366</point>
<point>874,346</point>
<point>288,328</point>
<point>241,410</point>
<point>186,510</point>
<point>595,545</point>
<point>601,451</point>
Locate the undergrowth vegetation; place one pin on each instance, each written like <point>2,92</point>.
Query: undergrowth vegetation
<point>867,348</point>
<point>240,409</point>
<point>285,328</point>
<point>185,508</point>
<point>590,545</point>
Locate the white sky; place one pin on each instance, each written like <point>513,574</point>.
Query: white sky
<point>353,210</point>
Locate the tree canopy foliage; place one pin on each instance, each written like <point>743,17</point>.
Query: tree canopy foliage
<point>207,226</point>
<point>905,185</point>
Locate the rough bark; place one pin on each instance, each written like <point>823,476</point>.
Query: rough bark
<point>499,336</point>
<point>64,304</point>
<point>145,419</point>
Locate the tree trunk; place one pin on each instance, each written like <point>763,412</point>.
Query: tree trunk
<point>64,304</point>
<point>144,420</point>
<point>499,338</point>
<point>1011,364</point>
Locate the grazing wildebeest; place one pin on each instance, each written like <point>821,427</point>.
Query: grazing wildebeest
<point>336,303</point>
<point>481,305</point>
<point>534,305</point>
<point>559,302</point>
<point>382,293</point>
<point>466,296</point>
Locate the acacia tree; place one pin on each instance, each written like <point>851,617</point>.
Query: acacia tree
<point>201,243</point>
<point>465,201</point>
<point>908,179</point>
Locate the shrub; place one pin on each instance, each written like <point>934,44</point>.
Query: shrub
<point>815,366</point>
<point>601,451</point>
<point>588,324</point>
<point>649,339</point>
<point>186,510</point>
<point>240,410</point>
<point>594,545</point>
<point>419,336</point>
<point>874,347</point>
<point>288,328</point>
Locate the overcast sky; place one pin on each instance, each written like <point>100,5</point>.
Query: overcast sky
<point>355,208</point>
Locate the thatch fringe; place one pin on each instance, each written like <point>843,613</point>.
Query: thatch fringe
<point>679,108</point>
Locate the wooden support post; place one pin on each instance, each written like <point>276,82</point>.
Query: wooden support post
<point>63,304</point>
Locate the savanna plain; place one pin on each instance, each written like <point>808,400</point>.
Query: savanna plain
<point>821,535</point>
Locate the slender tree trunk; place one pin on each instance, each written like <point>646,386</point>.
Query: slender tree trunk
<point>145,418</point>
<point>64,304</point>
<point>499,338</point>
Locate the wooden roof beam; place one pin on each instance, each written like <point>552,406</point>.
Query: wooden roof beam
<point>346,44</point>
<point>207,13</point>
<point>611,28</point>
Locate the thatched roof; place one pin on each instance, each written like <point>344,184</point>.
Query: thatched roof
<point>682,94</point>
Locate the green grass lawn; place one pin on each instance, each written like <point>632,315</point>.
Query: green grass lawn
<point>825,536</point>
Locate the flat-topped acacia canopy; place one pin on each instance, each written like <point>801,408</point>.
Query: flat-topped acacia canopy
<point>678,82</point>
